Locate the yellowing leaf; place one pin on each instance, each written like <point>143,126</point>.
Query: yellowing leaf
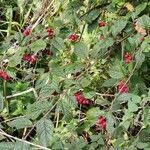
<point>129,6</point>
<point>140,29</point>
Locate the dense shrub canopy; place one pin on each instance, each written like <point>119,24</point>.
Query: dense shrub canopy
<point>74,74</point>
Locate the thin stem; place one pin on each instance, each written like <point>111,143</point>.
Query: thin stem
<point>21,140</point>
<point>5,96</point>
<point>22,93</point>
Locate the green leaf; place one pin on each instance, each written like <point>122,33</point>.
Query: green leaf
<point>97,138</point>
<point>21,146</point>
<point>125,97</point>
<point>47,90</point>
<point>144,135</point>
<point>92,15</point>
<point>35,109</point>
<point>37,45</point>
<point>6,146</point>
<point>101,47</point>
<point>17,57</point>
<point>42,81</point>
<point>93,113</point>
<point>110,82</point>
<point>81,50</point>
<point>132,107</point>
<point>139,57</point>
<point>118,26</point>
<point>116,72</point>
<point>138,10</point>
<point>128,116</point>
<point>144,21</point>
<point>145,46</point>
<point>110,123</point>
<point>45,130</point>
<point>85,82</point>
<point>136,99</point>
<point>20,123</point>
<point>58,43</point>
<point>66,105</point>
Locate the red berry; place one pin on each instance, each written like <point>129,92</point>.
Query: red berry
<point>122,87</point>
<point>4,75</point>
<point>81,99</point>
<point>27,57</point>
<point>102,23</point>
<point>142,39</point>
<point>27,32</point>
<point>50,32</point>
<point>34,59</point>
<point>128,58</point>
<point>102,122</point>
<point>73,37</point>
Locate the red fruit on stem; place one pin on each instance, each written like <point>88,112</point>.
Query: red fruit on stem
<point>27,57</point>
<point>34,59</point>
<point>102,23</point>
<point>102,122</point>
<point>81,99</point>
<point>4,75</point>
<point>128,58</point>
<point>142,39</point>
<point>27,32</point>
<point>122,87</point>
<point>50,32</point>
<point>73,37</point>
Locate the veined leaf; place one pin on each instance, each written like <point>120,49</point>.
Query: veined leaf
<point>118,26</point>
<point>66,107</point>
<point>81,50</point>
<point>35,109</point>
<point>110,82</point>
<point>21,146</point>
<point>20,123</point>
<point>37,45</point>
<point>58,43</point>
<point>92,15</point>
<point>138,10</point>
<point>116,72</point>
<point>6,145</point>
<point>45,129</point>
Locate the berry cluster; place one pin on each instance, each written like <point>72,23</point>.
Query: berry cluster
<point>102,122</point>
<point>102,24</point>
<point>73,37</point>
<point>122,87</point>
<point>4,75</point>
<point>27,32</point>
<point>50,32</point>
<point>81,99</point>
<point>128,58</point>
<point>32,59</point>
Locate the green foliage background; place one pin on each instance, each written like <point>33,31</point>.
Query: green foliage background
<point>46,113</point>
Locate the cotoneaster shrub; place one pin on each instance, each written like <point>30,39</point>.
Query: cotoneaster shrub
<point>75,75</point>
